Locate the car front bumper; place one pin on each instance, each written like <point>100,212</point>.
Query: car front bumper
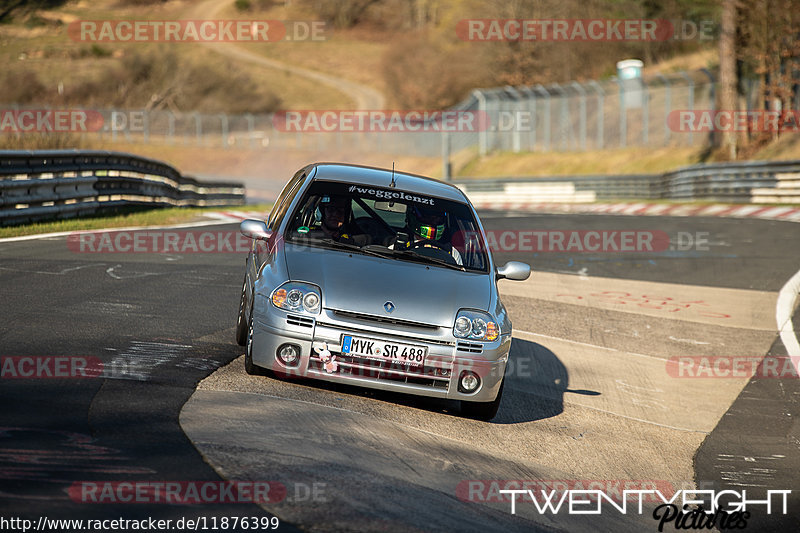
<point>447,357</point>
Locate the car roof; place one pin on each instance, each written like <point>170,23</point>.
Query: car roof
<point>382,177</point>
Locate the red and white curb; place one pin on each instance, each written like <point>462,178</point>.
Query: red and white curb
<point>791,214</point>
<point>235,216</point>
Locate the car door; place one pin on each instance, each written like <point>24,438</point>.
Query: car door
<point>263,253</point>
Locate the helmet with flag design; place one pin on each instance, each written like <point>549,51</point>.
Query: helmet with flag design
<point>427,222</point>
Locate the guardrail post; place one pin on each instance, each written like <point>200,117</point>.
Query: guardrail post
<point>623,116</point>
<point>564,129</point>
<point>170,127</point>
<point>224,127</point>
<point>251,129</point>
<point>645,113</point>
<point>113,126</point>
<point>531,99</point>
<point>548,124</point>
<point>482,139</point>
<point>601,96</point>
<point>198,128</point>
<point>515,141</point>
<point>146,126</point>
<point>446,168</point>
<point>690,82</point>
<point>712,96</point>
<point>582,92</point>
<point>667,106</point>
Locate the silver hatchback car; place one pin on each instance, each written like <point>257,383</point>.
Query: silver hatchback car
<point>379,279</point>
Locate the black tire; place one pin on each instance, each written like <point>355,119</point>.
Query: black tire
<point>250,367</point>
<point>483,410</point>
<point>242,320</point>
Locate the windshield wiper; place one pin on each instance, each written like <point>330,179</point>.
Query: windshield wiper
<point>349,246</point>
<point>382,251</point>
<point>428,259</point>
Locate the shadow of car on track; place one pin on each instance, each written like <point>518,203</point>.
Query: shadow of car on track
<point>536,381</point>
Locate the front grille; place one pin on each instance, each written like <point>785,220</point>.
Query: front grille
<point>428,376</point>
<point>302,321</point>
<point>469,347</point>
<point>384,319</point>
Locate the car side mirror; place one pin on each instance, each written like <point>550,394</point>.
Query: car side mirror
<point>514,270</point>
<point>255,229</point>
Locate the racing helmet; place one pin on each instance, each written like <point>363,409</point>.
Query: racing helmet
<point>427,222</point>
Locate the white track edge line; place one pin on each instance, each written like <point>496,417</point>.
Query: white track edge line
<point>787,297</point>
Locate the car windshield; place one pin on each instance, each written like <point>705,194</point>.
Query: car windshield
<point>389,222</point>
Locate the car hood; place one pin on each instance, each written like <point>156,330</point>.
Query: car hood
<point>363,284</point>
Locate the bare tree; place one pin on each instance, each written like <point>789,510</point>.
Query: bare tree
<point>728,81</point>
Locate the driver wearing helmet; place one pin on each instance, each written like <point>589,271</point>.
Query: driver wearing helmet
<point>335,221</point>
<point>428,227</point>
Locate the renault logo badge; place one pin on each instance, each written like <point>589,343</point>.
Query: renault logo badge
<point>389,306</point>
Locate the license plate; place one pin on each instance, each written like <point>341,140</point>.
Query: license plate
<point>407,354</point>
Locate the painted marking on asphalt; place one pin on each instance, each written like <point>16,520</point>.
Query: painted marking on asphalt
<point>688,341</point>
<point>59,273</point>
<point>532,334</point>
<point>643,396</point>
<point>783,315</point>
<point>747,470</point>
<point>139,360</point>
<point>742,308</point>
<point>656,302</point>
<point>635,387</point>
<point>111,271</point>
<point>23,458</point>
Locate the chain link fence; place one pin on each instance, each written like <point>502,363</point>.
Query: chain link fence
<point>559,117</point>
<point>593,115</point>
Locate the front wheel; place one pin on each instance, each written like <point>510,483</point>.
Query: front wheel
<point>242,320</point>
<point>250,367</point>
<point>482,410</point>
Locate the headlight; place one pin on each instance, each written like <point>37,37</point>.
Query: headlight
<point>298,297</point>
<point>475,325</point>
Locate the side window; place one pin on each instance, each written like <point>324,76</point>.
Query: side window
<point>285,199</point>
<point>278,215</point>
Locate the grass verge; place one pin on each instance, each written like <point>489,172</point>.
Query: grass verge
<point>613,161</point>
<point>129,218</point>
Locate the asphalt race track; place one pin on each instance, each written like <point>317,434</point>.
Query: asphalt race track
<point>591,400</point>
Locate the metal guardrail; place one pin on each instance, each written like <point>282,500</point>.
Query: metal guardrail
<point>42,185</point>
<point>740,182</point>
